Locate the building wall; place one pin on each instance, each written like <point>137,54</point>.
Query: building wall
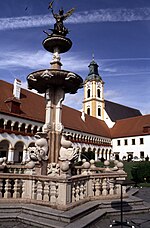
<point>14,142</point>
<point>107,120</point>
<point>130,149</point>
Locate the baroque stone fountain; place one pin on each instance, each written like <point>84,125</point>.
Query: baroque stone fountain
<point>52,149</point>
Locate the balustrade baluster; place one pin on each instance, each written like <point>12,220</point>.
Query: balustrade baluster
<point>23,188</point>
<point>111,187</point>
<point>93,187</point>
<point>34,189</point>
<point>7,187</point>
<point>53,192</point>
<point>85,189</point>
<point>77,192</point>
<point>20,171</point>
<point>15,170</point>
<point>104,187</point>
<point>124,188</point>
<point>118,189</point>
<point>1,187</point>
<point>17,186</point>
<point>73,192</point>
<point>39,190</point>
<point>82,190</point>
<point>46,191</point>
<point>97,187</point>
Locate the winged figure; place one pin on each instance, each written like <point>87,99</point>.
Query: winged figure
<point>59,28</point>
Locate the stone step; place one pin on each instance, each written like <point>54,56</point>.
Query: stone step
<point>80,216</point>
<point>82,210</point>
<point>88,219</point>
<point>39,221</point>
<point>133,191</point>
<point>99,213</point>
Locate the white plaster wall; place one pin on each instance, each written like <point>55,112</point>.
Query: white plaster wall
<point>20,120</point>
<point>136,149</point>
<point>13,139</point>
<point>107,120</point>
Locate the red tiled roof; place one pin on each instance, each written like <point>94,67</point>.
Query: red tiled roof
<point>139,125</point>
<point>33,107</point>
<point>71,119</point>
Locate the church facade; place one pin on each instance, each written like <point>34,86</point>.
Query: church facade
<point>107,129</point>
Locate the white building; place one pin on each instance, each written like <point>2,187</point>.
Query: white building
<point>131,137</point>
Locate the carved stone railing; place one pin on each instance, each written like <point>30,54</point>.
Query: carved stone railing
<point>20,169</point>
<point>61,193</point>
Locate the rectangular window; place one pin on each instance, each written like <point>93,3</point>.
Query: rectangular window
<point>141,141</point>
<point>99,111</point>
<point>142,154</point>
<point>133,141</point>
<point>118,143</point>
<point>125,142</point>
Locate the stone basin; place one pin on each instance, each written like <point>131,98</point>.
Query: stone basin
<point>54,78</point>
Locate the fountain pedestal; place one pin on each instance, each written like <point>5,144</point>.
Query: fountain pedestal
<point>54,83</point>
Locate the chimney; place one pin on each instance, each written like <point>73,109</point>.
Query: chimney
<point>83,116</point>
<point>17,89</point>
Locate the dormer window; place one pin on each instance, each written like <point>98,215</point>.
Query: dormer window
<point>146,129</point>
<point>13,105</point>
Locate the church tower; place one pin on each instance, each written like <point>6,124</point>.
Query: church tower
<point>93,103</point>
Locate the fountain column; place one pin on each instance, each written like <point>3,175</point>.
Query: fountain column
<point>54,83</point>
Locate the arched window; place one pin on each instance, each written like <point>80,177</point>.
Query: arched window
<point>22,128</point>
<point>99,111</point>
<point>29,129</point>
<point>88,93</point>
<point>35,130</point>
<point>88,111</point>
<point>2,123</point>
<point>8,125</point>
<point>15,127</point>
<point>98,93</point>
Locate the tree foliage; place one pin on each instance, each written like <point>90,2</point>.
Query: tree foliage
<point>141,172</point>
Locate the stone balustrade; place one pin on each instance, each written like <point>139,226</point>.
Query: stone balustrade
<point>20,169</point>
<point>59,192</point>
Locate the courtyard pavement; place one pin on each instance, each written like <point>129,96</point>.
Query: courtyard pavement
<point>140,220</point>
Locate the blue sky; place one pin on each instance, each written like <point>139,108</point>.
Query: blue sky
<point>116,31</point>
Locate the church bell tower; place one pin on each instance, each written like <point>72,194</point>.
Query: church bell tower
<point>93,103</point>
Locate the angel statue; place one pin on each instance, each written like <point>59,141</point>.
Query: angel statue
<point>59,28</point>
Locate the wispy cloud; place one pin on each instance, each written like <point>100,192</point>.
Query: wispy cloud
<point>32,60</point>
<point>115,67</point>
<point>74,100</point>
<point>17,59</point>
<point>111,93</point>
<point>100,15</point>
